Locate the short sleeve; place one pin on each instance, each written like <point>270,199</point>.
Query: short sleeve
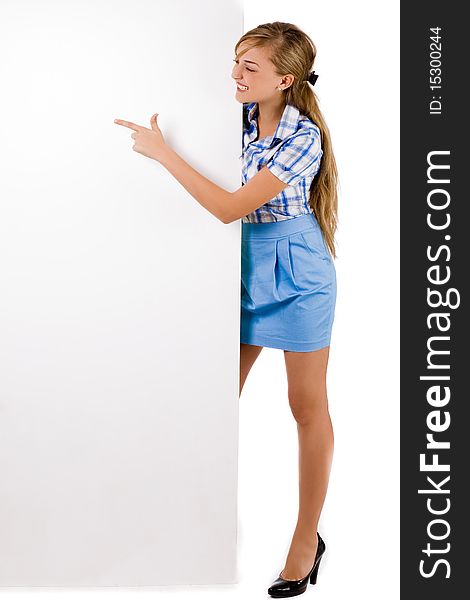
<point>298,157</point>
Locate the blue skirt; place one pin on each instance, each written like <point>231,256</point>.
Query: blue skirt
<point>288,285</point>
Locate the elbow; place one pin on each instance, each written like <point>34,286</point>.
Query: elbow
<point>230,213</point>
<point>223,219</point>
<point>228,217</point>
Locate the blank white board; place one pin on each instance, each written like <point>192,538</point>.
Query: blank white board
<point>119,295</point>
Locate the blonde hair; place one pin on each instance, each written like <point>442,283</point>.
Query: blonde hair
<point>292,51</point>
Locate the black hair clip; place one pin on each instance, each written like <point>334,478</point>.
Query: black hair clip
<point>312,77</point>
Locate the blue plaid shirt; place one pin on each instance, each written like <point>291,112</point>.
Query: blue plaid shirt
<point>293,154</point>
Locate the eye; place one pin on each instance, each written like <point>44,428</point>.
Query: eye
<point>252,70</point>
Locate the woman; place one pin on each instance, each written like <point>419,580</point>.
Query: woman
<point>288,206</point>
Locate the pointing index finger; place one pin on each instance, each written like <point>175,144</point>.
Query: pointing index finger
<point>127,124</point>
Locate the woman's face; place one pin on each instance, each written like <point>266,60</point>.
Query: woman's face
<point>256,71</point>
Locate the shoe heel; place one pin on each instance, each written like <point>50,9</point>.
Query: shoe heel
<point>313,576</point>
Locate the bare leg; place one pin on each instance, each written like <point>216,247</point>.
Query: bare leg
<point>248,355</point>
<point>306,373</point>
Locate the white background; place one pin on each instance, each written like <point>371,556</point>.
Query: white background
<point>358,89</point>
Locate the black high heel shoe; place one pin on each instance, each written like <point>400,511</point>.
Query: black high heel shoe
<point>283,588</point>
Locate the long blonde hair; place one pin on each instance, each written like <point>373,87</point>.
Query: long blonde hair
<point>292,51</point>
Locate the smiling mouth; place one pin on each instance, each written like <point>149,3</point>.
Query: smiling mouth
<point>242,88</point>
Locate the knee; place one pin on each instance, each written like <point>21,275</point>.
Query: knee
<point>307,406</point>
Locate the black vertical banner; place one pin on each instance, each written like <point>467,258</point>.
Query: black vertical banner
<point>435,270</point>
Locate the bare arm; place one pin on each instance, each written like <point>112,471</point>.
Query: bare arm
<point>226,206</point>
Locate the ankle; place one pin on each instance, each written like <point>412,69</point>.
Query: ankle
<point>306,533</point>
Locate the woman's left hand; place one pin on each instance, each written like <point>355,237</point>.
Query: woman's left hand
<point>148,142</point>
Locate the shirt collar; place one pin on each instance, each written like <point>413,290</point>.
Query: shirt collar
<point>288,123</point>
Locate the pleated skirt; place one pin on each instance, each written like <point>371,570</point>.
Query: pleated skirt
<point>288,285</point>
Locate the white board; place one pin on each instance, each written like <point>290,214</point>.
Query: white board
<point>119,296</point>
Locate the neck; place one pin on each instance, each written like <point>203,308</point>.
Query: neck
<point>270,112</point>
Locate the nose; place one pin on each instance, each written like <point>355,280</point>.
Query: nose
<point>234,72</point>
